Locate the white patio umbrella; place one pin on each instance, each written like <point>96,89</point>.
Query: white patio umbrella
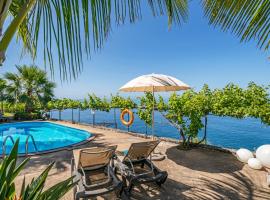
<point>154,83</point>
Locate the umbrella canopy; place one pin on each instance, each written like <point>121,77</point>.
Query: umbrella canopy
<point>154,83</point>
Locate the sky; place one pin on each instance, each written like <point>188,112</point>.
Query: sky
<point>194,52</point>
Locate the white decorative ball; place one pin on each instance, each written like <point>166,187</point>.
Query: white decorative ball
<point>243,155</point>
<point>263,154</point>
<point>254,163</point>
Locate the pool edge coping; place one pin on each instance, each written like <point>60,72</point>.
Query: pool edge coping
<point>65,148</point>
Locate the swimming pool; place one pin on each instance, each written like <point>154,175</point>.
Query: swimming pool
<point>42,136</point>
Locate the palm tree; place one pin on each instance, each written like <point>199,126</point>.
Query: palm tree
<point>14,88</point>
<point>3,87</point>
<point>30,86</point>
<point>37,87</point>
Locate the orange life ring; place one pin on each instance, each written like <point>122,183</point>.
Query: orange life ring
<point>131,117</point>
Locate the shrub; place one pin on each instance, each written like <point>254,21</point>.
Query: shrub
<point>9,170</point>
<point>27,116</point>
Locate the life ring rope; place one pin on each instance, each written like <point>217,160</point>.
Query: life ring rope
<point>131,117</point>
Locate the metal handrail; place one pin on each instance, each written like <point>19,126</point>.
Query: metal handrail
<point>4,144</point>
<point>26,143</point>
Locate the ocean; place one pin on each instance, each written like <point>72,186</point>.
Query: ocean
<point>225,132</point>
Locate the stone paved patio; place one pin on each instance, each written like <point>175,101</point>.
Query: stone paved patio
<point>198,174</point>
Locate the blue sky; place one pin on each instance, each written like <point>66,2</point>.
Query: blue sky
<point>195,53</point>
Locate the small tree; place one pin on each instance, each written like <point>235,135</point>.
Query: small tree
<point>205,97</point>
<point>145,110</point>
<point>60,105</point>
<point>121,103</point>
<point>51,106</point>
<point>128,103</point>
<point>236,102</point>
<point>82,106</point>
<point>92,106</point>
<point>185,113</point>
<point>73,104</point>
<point>116,102</point>
<point>96,103</point>
<point>103,104</point>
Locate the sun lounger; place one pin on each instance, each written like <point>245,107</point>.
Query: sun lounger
<point>137,168</point>
<point>93,169</point>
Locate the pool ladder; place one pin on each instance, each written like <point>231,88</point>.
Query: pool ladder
<point>26,144</point>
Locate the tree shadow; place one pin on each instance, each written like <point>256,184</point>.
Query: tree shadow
<point>171,189</point>
<point>233,186</point>
<point>204,160</point>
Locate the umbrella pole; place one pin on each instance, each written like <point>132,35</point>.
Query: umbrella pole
<point>153,113</point>
<point>156,155</point>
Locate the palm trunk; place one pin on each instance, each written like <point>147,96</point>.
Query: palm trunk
<point>16,99</point>
<point>2,103</point>
<point>128,120</point>
<point>2,107</point>
<point>29,104</point>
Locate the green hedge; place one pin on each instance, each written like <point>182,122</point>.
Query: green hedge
<point>26,116</point>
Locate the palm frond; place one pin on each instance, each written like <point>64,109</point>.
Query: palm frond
<point>69,28</point>
<point>249,20</point>
<point>23,32</point>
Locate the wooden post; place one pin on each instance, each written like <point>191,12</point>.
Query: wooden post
<point>205,128</point>
<point>93,113</point>
<point>128,120</point>
<point>115,122</point>
<point>72,121</point>
<point>79,116</point>
<point>153,112</point>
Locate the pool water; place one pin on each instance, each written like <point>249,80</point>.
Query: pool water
<point>47,136</point>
